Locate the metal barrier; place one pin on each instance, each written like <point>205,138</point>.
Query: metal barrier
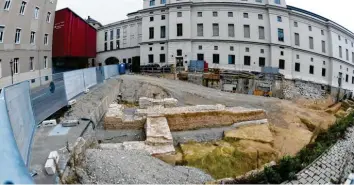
<point>22,108</point>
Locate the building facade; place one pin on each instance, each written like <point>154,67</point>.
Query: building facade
<point>236,35</point>
<point>26,29</point>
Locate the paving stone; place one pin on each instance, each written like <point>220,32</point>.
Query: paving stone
<point>316,178</point>
<point>322,181</point>
<point>303,181</point>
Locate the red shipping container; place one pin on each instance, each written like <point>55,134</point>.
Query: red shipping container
<point>73,36</point>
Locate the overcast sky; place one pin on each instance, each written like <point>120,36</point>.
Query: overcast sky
<point>108,11</point>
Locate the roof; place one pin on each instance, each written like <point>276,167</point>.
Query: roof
<point>90,20</point>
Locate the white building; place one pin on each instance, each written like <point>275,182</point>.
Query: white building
<point>26,32</point>
<point>234,34</point>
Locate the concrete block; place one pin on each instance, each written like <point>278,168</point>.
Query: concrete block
<point>50,167</point>
<point>72,102</point>
<point>49,123</point>
<point>70,123</point>
<point>54,155</point>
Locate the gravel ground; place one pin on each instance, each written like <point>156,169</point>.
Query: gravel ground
<point>136,167</point>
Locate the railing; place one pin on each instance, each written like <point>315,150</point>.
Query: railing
<point>24,105</point>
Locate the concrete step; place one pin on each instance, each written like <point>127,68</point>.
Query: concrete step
<point>158,131</point>
<point>156,149</point>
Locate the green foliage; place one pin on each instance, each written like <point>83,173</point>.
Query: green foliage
<point>288,166</point>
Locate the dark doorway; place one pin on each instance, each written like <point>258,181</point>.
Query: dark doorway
<point>179,61</point>
<point>111,60</point>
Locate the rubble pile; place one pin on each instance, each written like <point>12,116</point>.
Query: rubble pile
<point>293,90</point>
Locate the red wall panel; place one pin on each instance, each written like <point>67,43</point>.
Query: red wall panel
<point>72,36</point>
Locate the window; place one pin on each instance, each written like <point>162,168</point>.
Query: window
<point>15,66</point>
<point>200,47</point>
<point>200,30</point>
<point>297,67</point>
<point>296,24</point>
<point>215,29</point>
<point>246,31</point>
<point>277,1</point>
<point>45,62</point>
<point>311,69</point>
<point>247,50</point>
<point>352,57</point>
<point>297,39</point>
<point>353,80</point>
<point>279,18</point>
<point>151,59</point>
<point>162,48</point>
<point>346,78</point>
<point>282,53</point>
<point>323,46</point>
<point>262,50</point>
<point>260,16</point>
<point>23,7</point>
<point>33,37</point>
<point>111,45</point>
<point>200,14</point>
<point>340,52</point>
<point>281,64</point>
<point>231,59</point>
<point>18,36</point>
<point>36,12</point>
<point>105,46</point>
<point>259,1</point>
<point>163,31</point>
<point>346,41</point>
<point>150,48</point>
<point>117,44</point>
<point>230,14</point>
<point>247,60</point>
<point>45,39</point>
<point>324,63</point>
<point>232,48</point>
<point>179,14</point>
<point>311,59</point>
<point>339,37</point>
<point>163,1</point>
<point>105,36</point>
<point>48,17</point>
<point>310,28</point>
<point>2,30</point>
<point>216,58</point>
<point>179,52</point>
<point>311,42</point>
<point>162,58</point>
<point>163,17</point>
<point>261,32</point>
<point>7,4</point>
<point>216,47</point>
<point>261,61</point>
<point>347,54</point>
<point>215,14</point>
<point>152,2</point>
<point>322,32</point>
<point>245,15</point>
<point>31,66</point>
<point>231,28</point>
<point>151,33</point>
<point>297,56</point>
<point>280,35</point>
<point>200,56</point>
<point>118,33</point>
<point>324,72</point>
<point>179,30</point>
<point>111,34</point>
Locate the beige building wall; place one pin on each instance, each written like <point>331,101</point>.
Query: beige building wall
<point>26,52</point>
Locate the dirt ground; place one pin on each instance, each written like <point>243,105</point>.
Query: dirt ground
<point>292,122</point>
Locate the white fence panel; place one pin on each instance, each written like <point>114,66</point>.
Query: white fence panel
<point>90,77</point>
<point>111,70</point>
<point>74,83</point>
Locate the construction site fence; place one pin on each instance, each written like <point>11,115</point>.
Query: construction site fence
<point>26,104</point>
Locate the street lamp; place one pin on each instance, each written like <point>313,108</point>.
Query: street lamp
<point>12,72</point>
